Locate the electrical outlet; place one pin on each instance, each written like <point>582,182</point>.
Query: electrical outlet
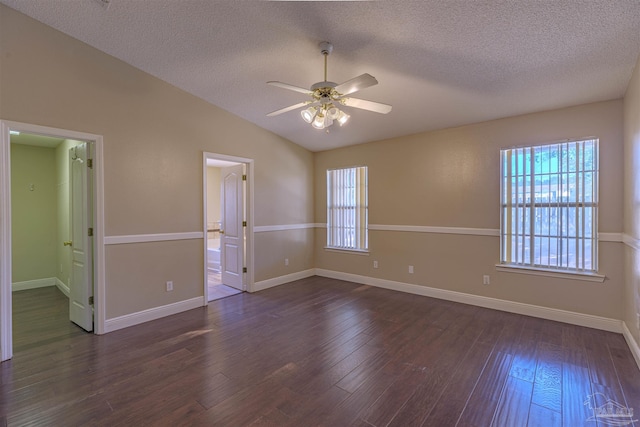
<point>375,264</point>
<point>169,286</point>
<point>486,279</point>
<point>411,269</point>
<point>286,261</point>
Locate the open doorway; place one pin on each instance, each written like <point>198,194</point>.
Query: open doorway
<point>227,213</point>
<point>46,181</point>
<point>50,229</point>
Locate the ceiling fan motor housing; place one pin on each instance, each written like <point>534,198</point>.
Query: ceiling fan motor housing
<point>326,48</point>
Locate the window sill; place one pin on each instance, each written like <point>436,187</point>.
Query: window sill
<point>351,251</point>
<point>561,274</point>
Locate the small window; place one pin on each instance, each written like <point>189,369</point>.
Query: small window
<point>347,210</point>
<point>549,203</point>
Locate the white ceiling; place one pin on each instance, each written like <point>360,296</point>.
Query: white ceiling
<point>440,63</point>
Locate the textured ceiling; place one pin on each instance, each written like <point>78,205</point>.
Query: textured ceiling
<point>440,63</point>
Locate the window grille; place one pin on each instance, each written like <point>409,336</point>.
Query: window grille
<point>347,210</point>
<point>549,204</point>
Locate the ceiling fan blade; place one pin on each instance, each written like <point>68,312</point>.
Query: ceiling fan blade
<point>290,87</point>
<point>357,83</point>
<point>285,109</point>
<point>376,107</point>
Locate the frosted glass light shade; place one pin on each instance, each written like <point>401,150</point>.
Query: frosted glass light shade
<point>333,113</point>
<point>308,114</point>
<point>343,118</point>
<point>318,122</point>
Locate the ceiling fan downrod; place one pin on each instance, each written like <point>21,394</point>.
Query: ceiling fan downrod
<point>325,48</point>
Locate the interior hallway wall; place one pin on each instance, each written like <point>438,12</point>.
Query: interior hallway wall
<point>213,196</point>
<point>33,213</point>
<point>154,135</point>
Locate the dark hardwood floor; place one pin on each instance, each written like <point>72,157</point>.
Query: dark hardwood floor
<point>316,352</point>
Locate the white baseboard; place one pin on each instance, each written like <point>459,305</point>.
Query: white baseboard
<point>63,287</point>
<point>33,284</point>
<point>590,321</point>
<point>143,316</point>
<point>281,280</point>
<point>633,345</point>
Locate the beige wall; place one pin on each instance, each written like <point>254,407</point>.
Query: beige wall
<point>213,194</point>
<point>450,178</point>
<point>632,203</point>
<point>154,136</point>
<point>33,213</point>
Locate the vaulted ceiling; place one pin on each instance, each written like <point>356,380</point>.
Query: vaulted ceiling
<point>440,63</point>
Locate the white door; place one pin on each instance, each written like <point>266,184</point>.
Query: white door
<point>81,286</point>
<point>232,230</point>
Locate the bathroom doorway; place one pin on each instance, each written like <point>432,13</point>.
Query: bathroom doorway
<point>226,213</point>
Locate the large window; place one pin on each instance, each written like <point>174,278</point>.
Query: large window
<point>549,200</point>
<point>347,209</point>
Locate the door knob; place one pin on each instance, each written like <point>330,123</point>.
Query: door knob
<point>221,231</point>
<point>67,243</point>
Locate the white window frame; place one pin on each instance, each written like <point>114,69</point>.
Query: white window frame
<point>531,199</point>
<point>348,209</point>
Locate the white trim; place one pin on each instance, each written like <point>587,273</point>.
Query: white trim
<point>41,283</point>
<point>205,243</point>
<point>284,227</point>
<point>590,321</point>
<point>145,238</point>
<point>633,345</point>
<point>364,252</point>
<point>151,314</point>
<point>33,284</point>
<point>523,269</point>
<point>276,281</point>
<point>99,265</point>
<point>440,230</point>
<point>6,339</point>
<point>602,237</point>
<point>63,287</point>
<point>610,237</point>
<point>631,241</point>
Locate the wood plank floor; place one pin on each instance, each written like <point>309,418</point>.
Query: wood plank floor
<point>316,352</point>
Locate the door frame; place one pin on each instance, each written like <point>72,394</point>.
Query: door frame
<point>249,197</point>
<point>6,337</point>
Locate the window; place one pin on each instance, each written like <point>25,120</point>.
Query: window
<point>347,210</point>
<point>549,201</point>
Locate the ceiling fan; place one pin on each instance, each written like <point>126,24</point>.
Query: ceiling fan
<point>322,108</point>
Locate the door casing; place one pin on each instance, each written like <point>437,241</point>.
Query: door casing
<point>6,338</point>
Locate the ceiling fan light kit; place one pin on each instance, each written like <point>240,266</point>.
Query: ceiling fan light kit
<point>322,110</point>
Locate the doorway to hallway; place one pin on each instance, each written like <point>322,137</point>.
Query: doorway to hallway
<point>227,215</point>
